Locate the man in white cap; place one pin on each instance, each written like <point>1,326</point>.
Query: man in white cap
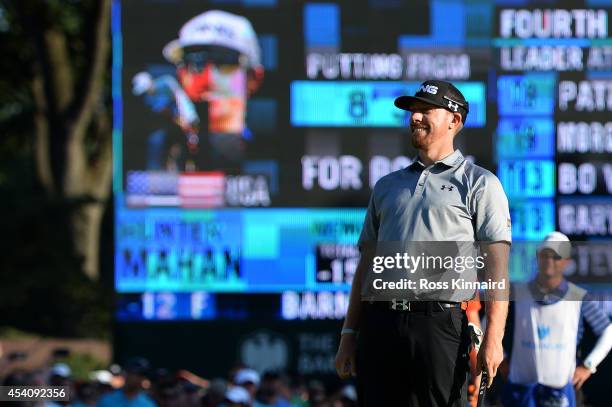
<point>548,316</point>
<point>218,63</point>
<point>248,379</point>
<point>237,397</point>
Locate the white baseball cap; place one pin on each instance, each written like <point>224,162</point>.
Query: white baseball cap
<point>558,243</point>
<point>244,376</point>
<point>238,395</point>
<point>62,370</point>
<point>219,28</point>
<point>101,376</point>
<point>142,82</point>
<point>349,392</point>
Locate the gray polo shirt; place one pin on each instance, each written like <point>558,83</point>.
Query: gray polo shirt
<point>453,203</point>
<point>450,200</point>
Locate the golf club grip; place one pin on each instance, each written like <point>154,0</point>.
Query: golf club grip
<point>482,390</point>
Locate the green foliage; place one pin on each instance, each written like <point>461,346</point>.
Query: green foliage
<point>16,102</point>
<point>82,364</point>
<point>8,332</point>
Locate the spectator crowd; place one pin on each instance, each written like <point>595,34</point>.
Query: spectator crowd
<point>137,384</point>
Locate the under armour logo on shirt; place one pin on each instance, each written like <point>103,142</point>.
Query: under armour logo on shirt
<point>453,106</point>
<point>447,187</point>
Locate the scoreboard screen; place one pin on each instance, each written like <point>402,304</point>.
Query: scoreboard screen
<point>248,134</point>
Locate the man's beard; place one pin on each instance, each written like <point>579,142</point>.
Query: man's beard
<point>420,139</point>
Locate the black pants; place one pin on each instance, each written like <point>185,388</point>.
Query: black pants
<point>414,358</point>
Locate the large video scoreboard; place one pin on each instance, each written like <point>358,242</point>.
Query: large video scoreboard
<point>237,176</point>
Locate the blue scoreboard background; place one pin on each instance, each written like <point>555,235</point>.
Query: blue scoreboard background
<point>281,223</point>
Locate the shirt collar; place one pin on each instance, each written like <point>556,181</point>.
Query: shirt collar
<point>549,297</point>
<point>451,160</point>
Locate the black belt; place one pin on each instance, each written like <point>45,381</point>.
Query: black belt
<point>416,306</point>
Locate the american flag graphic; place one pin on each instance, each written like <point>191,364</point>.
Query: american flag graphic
<point>202,189</point>
<point>152,183</point>
<point>152,188</point>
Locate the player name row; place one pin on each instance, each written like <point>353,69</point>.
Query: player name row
<point>584,137</point>
<point>586,178</point>
<point>585,219</point>
<point>585,96</point>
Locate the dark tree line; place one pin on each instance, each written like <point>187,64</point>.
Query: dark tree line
<point>55,165</point>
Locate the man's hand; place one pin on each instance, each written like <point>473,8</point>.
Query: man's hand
<point>345,358</point>
<point>490,357</point>
<point>581,374</point>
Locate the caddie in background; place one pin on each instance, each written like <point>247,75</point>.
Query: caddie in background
<point>415,353</point>
<point>545,327</point>
<point>217,60</point>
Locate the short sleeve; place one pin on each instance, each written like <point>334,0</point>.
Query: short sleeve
<point>369,232</point>
<point>491,212</point>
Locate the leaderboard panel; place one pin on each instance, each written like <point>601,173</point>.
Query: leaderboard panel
<point>554,77</point>
<point>270,198</point>
<point>246,151</point>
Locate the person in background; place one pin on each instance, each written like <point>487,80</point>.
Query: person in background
<point>215,394</point>
<point>132,393</point>
<point>237,396</point>
<point>345,397</point>
<point>299,392</point>
<point>218,63</point>
<point>248,379</point>
<point>317,393</point>
<point>87,395</point>
<point>61,375</point>
<point>547,315</point>
<point>270,392</point>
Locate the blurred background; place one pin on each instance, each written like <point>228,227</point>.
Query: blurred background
<point>183,182</point>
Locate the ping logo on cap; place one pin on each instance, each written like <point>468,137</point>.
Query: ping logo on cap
<point>429,89</point>
<point>215,29</point>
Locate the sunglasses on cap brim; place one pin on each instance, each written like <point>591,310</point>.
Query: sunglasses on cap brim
<point>198,58</point>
